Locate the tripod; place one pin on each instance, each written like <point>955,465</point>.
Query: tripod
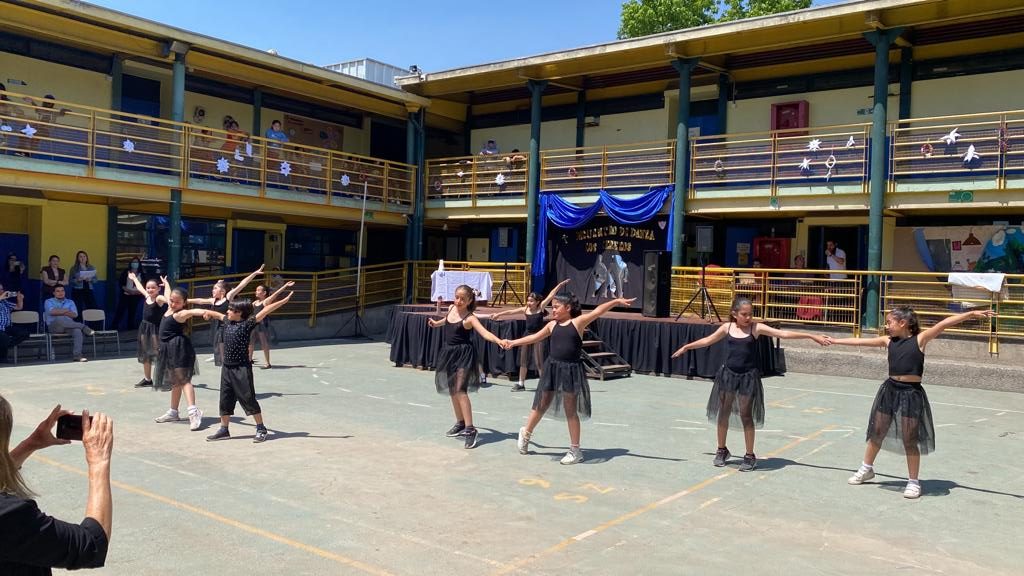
<point>706,303</point>
<point>502,294</point>
<point>357,316</point>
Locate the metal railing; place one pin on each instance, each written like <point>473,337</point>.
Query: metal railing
<point>517,274</point>
<point>476,178</point>
<point>65,138</point>
<point>980,149</point>
<point>622,167</point>
<point>805,160</point>
<point>317,294</point>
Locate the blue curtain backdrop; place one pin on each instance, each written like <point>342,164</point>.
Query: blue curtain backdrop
<point>565,214</point>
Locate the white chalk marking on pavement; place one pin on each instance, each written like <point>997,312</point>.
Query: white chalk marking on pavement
<point>586,534</point>
<point>687,428</point>
<point>762,431</point>
<point>1001,413</point>
<point>944,425</point>
<point>611,424</point>
<point>166,467</point>
<point>707,503</point>
<point>376,397</point>
<point>816,450</point>
<point>479,412</point>
<point>841,430</point>
<point>316,375</point>
<point>415,404</point>
<point>689,421</point>
<point>981,420</point>
<point>795,437</point>
<point>343,389</point>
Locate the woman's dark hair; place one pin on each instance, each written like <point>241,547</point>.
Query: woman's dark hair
<point>52,256</point>
<point>907,314</point>
<point>569,299</point>
<point>182,293</point>
<point>738,303</point>
<point>243,306</point>
<point>536,297</point>
<point>472,296</point>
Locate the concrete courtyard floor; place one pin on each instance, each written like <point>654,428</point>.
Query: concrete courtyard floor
<point>358,478</point>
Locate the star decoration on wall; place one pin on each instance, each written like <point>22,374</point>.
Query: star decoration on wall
<point>286,168</point>
<point>971,155</point>
<point>499,179</point>
<point>128,146</point>
<point>345,180</point>
<point>222,165</point>
<point>805,166</point>
<point>851,142</point>
<point>814,145</point>
<point>952,137</point>
<point>28,130</point>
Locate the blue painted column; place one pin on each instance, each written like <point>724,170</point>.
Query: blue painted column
<point>411,159</point>
<point>420,197</point>
<point>882,40</point>
<point>723,103</point>
<point>533,177</point>
<point>174,220</point>
<point>581,118</point>
<point>257,112</point>
<point>906,81</point>
<point>116,81</point>
<point>682,176</point>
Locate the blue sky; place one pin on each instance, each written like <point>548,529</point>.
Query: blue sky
<point>450,34</point>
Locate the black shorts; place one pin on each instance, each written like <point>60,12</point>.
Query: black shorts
<point>236,386</point>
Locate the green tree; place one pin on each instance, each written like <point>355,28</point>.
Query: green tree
<point>644,17</point>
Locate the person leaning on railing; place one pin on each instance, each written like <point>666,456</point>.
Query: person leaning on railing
<point>30,541</point>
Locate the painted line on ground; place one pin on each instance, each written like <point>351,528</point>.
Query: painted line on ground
<point>376,397</point>
<point>944,425</point>
<point>687,428</point>
<point>325,554</point>
<point>690,421</point>
<point>344,389</point>
<point>420,405</point>
<point>981,420</point>
<point>519,564</point>
<point>611,424</point>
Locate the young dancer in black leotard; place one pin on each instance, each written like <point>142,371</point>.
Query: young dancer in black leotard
<point>563,384</point>
<point>901,418</point>
<point>535,311</point>
<point>737,398</point>
<point>218,302</point>
<point>149,329</point>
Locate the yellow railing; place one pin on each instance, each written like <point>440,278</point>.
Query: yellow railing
<point>801,161</point>
<point>319,293</point>
<point>614,167</point>
<point>517,274</point>
<point>60,137</point>
<point>968,150</point>
<point>476,178</point>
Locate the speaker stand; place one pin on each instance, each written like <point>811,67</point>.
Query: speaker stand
<point>706,302</point>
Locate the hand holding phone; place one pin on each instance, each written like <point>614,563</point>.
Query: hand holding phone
<point>69,427</point>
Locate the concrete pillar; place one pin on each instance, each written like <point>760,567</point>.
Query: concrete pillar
<point>581,118</point>
<point>178,88</point>
<point>533,177</point>
<point>174,220</point>
<point>116,81</point>
<point>882,40</point>
<point>906,81</point>
<point>257,112</point>
<point>723,102</point>
<point>682,176</point>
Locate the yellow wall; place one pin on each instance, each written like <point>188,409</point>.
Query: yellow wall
<point>216,109</point>
<point>825,108</point>
<point>64,82</point>
<point>967,94</point>
<point>14,220</point>
<point>628,128</point>
<point>555,134</point>
<point>64,228</point>
<point>353,140</point>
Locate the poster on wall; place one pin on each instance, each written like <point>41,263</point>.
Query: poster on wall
<point>604,260</point>
<point>993,248</point>
<point>302,130</point>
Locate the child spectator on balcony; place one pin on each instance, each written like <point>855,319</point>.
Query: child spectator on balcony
<point>13,118</point>
<point>515,161</point>
<point>489,149</point>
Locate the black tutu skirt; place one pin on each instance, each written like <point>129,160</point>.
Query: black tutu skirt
<point>457,370</point>
<point>561,383</point>
<point>262,327</point>
<point>176,363</point>
<point>737,393</point>
<point>149,342</point>
<point>218,341</point>
<point>901,417</point>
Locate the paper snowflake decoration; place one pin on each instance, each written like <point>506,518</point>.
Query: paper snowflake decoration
<point>851,142</point>
<point>6,128</point>
<point>345,180</point>
<point>222,165</point>
<point>238,155</point>
<point>128,146</point>
<point>248,149</point>
<point>286,168</point>
<point>805,166</point>
<point>814,145</point>
<point>315,166</point>
<point>952,137</point>
<point>28,130</point>
<point>460,173</point>
<point>971,155</point>
<point>499,179</point>
<point>830,163</point>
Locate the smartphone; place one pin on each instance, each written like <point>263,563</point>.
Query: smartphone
<point>7,295</point>
<point>69,427</point>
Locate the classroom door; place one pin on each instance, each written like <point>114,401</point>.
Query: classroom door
<point>247,249</point>
<point>478,249</point>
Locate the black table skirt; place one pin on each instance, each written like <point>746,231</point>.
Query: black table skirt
<point>647,346</point>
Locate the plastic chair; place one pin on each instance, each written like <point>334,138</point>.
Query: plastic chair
<point>36,338</point>
<point>96,315</point>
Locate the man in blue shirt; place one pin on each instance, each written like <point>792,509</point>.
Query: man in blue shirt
<point>60,316</point>
<point>10,335</point>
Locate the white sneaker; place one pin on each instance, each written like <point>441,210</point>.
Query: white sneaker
<point>169,416</point>
<point>573,456</point>
<point>912,491</point>
<point>523,442</point>
<point>862,475</point>
<point>195,420</point>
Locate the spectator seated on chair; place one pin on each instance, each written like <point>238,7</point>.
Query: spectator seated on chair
<point>10,334</point>
<point>60,314</point>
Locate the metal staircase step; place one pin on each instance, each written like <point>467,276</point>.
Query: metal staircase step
<point>601,354</point>
<point>587,343</point>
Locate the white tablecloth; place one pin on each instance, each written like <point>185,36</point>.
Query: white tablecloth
<point>443,284</point>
